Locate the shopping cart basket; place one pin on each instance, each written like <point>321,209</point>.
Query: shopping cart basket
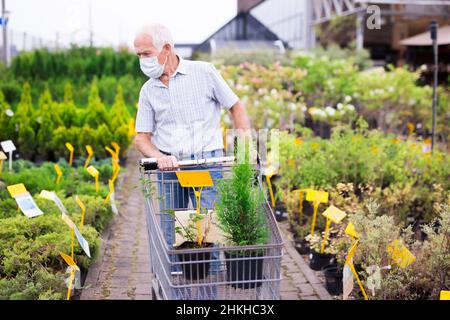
<point>240,272</point>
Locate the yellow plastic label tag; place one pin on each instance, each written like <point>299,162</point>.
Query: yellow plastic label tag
<point>2,155</point>
<point>269,171</point>
<point>58,173</point>
<point>80,203</point>
<point>351,253</point>
<point>112,152</point>
<point>116,170</point>
<point>298,141</point>
<point>69,146</point>
<point>17,189</point>
<point>302,190</point>
<point>69,260</point>
<point>445,295</point>
<point>92,171</point>
<point>89,150</point>
<point>317,196</point>
<point>334,214</point>
<point>58,170</point>
<point>47,195</point>
<point>111,186</point>
<point>400,254</point>
<point>68,221</point>
<point>351,231</point>
<point>194,178</point>
<point>116,147</point>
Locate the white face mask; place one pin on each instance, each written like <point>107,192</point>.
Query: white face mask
<point>151,67</point>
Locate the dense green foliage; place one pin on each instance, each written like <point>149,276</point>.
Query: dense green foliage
<point>78,66</point>
<point>406,180</point>
<point>41,131</point>
<point>30,264</point>
<point>240,209</point>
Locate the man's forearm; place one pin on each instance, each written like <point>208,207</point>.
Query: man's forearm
<point>146,147</point>
<point>240,117</point>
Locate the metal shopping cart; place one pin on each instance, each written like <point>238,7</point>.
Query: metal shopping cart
<point>212,273</point>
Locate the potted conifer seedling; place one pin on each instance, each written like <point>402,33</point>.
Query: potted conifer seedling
<point>196,264</point>
<point>241,217</point>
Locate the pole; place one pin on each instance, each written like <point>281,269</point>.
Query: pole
<point>5,35</point>
<point>360,31</point>
<point>10,161</point>
<point>434,37</point>
<point>91,34</point>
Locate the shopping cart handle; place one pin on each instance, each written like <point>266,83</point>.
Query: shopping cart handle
<point>152,163</point>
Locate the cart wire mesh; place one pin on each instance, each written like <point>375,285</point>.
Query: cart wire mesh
<point>217,272</point>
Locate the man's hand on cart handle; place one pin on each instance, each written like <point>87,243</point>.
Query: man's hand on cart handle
<point>167,163</point>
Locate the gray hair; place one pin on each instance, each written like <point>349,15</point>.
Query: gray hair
<point>159,33</point>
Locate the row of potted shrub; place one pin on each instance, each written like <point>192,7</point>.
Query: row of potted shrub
<point>30,264</point>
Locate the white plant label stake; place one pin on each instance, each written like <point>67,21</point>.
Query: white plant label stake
<point>8,147</point>
<point>374,278</point>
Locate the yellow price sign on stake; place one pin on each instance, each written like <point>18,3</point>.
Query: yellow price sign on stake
<point>269,172</point>
<point>116,148</point>
<point>111,191</point>
<point>351,231</point>
<point>90,155</point>
<point>298,141</point>
<point>300,207</point>
<point>58,173</point>
<point>83,208</point>
<point>317,197</point>
<point>348,266</point>
<point>196,179</point>
<point>111,151</point>
<point>69,260</point>
<point>81,240</point>
<point>115,172</point>
<point>445,295</point>
<point>73,268</point>
<point>332,214</point>
<point>17,189</point>
<point>71,225</point>
<point>70,147</point>
<point>94,172</point>
<point>51,195</point>
<point>400,254</point>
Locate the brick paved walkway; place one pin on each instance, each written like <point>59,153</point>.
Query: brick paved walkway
<point>122,270</point>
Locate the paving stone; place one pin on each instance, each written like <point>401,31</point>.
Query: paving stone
<point>308,297</point>
<point>289,296</point>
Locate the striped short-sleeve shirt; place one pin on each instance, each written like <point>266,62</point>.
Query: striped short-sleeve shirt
<point>184,117</point>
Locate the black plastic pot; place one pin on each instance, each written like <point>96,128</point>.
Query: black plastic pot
<point>302,246</point>
<point>195,269</point>
<point>244,270</point>
<point>318,260</point>
<point>333,279</point>
<point>280,213</point>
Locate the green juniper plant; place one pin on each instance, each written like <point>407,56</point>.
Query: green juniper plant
<point>240,209</point>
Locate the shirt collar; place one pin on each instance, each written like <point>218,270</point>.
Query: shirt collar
<point>180,69</point>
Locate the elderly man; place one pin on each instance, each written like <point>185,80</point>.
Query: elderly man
<point>179,106</point>
<point>179,114</point>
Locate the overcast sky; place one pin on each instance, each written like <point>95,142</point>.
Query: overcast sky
<point>115,21</point>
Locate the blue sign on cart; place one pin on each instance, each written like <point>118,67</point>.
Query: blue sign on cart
<point>3,21</point>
